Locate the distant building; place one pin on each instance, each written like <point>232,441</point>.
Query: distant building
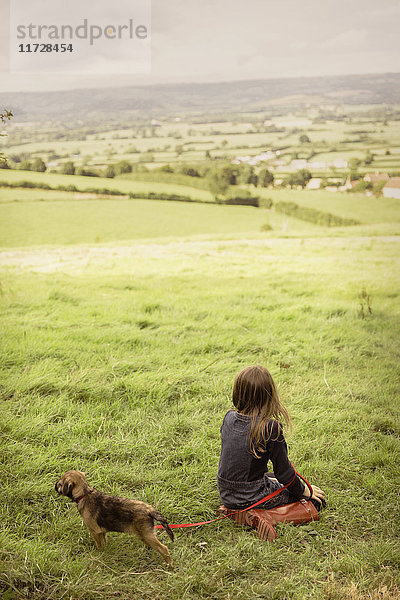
<point>254,160</point>
<point>349,184</point>
<point>268,155</point>
<point>314,183</point>
<point>374,178</point>
<point>392,188</point>
<point>241,159</point>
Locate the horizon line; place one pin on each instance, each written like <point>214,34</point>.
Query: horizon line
<point>204,82</point>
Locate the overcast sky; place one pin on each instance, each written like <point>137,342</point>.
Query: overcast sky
<point>217,40</point>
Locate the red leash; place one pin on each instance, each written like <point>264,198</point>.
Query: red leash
<point>271,495</point>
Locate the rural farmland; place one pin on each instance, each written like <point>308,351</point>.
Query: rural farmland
<point>130,302</point>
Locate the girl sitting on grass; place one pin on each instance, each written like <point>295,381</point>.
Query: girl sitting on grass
<point>252,435</point>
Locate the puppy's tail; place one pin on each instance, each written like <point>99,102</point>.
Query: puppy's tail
<point>158,517</point>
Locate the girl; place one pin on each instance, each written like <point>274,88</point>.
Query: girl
<point>252,435</point>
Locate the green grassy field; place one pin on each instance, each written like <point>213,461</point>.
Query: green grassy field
<point>118,359</point>
<point>123,185</point>
<point>94,221</point>
<point>33,217</point>
<point>366,209</point>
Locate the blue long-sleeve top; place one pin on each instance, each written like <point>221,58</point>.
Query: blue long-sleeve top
<point>241,476</point>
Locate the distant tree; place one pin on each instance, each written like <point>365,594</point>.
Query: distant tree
<point>207,155</point>
<point>246,175</point>
<point>68,168</point>
<point>300,178</point>
<point>86,172</point>
<point>218,182</point>
<point>187,170</point>
<point>253,179</point>
<point>265,178</point>
<point>387,153</point>
<point>304,139</point>
<point>25,165</point>
<point>354,163</point>
<point>179,149</point>
<point>362,186</point>
<point>123,166</point>
<point>166,169</point>
<point>378,187</point>
<point>304,177</point>
<point>324,183</point>
<point>354,176</point>
<point>5,115</point>
<point>230,173</point>
<point>369,157</point>
<point>109,171</point>
<point>243,174</point>
<point>289,180</point>
<point>39,165</point>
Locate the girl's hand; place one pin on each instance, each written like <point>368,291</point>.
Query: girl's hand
<point>318,494</point>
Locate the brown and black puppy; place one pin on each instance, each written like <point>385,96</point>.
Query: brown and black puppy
<point>102,513</point>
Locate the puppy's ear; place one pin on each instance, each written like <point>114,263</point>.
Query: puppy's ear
<point>67,489</point>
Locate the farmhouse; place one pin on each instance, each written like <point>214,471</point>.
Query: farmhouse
<point>392,188</point>
<point>314,183</point>
<point>349,184</point>
<point>374,178</point>
<point>254,160</point>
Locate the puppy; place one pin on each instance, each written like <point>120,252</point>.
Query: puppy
<point>101,513</point>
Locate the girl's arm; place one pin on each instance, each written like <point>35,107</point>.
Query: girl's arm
<point>283,469</point>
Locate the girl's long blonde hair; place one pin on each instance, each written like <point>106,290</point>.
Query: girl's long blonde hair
<point>255,395</point>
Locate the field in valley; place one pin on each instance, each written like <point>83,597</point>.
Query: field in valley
<point>124,323</point>
<point>336,133</point>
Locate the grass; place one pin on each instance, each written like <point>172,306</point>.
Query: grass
<point>83,183</point>
<point>105,220</point>
<point>32,217</point>
<point>174,178</point>
<point>368,210</point>
<point>119,360</point>
<point>35,195</point>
